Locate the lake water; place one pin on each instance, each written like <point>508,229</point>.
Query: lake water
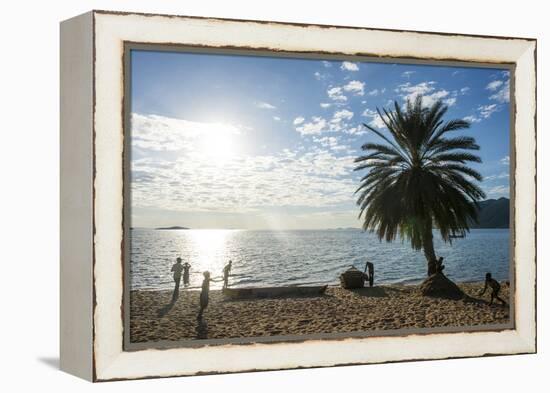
<point>275,258</point>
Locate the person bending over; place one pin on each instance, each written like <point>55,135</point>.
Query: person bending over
<point>495,288</point>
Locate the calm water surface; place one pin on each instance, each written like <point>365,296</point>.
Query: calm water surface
<point>273,258</point>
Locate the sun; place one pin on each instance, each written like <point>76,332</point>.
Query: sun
<point>218,143</point>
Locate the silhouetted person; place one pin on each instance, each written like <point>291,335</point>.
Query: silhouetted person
<point>495,288</point>
<point>439,265</point>
<point>177,268</point>
<point>226,272</point>
<point>370,268</point>
<point>186,267</point>
<point>204,294</point>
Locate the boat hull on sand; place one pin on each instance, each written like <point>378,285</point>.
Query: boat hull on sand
<point>274,292</point>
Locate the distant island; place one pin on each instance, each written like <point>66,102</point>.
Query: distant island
<point>169,228</point>
<point>493,213</point>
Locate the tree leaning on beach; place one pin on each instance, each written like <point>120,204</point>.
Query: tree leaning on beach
<point>419,178</point>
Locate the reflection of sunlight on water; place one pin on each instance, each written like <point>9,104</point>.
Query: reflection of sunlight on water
<point>275,258</point>
<point>209,251</point>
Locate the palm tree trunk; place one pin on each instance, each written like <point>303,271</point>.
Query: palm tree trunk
<point>428,247</point>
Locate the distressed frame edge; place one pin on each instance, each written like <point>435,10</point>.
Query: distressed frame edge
<point>305,24</point>
<point>528,99</point>
<point>530,342</point>
<point>76,196</point>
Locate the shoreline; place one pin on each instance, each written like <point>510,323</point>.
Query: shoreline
<point>412,283</point>
<point>384,307</point>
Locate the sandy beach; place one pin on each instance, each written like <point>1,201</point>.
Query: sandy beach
<point>385,307</point>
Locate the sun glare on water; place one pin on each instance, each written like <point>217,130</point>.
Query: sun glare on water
<point>209,249</point>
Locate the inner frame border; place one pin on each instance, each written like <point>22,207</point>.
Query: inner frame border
<point>129,46</point>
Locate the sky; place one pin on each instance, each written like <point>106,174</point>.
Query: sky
<point>252,142</point>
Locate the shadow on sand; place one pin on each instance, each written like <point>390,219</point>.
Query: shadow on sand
<point>201,329</point>
<point>371,291</point>
<point>470,299</point>
<point>166,309</point>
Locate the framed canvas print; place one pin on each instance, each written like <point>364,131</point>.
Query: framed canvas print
<point>246,195</point>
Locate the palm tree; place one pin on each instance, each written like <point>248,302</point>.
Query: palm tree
<point>419,179</point>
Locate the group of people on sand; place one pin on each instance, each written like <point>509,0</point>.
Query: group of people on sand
<point>178,268</point>
<point>183,269</point>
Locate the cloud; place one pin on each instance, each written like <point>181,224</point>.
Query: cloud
<point>298,120</point>
<point>331,142</point>
<point>498,191</point>
<point>326,141</point>
<point>326,64</point>
<point>340,122</point>
<point>319,177</point>
<point>377,122</point>
<point>494,85</point>
<point>486,111</point>
<point>336,94</point>
<point>439,95</point>
<point>483,112</point>
<point>376,92</point>
<point>502,175</point>
<point>276,118</point>
<point>428,91</point>
<point>407,74</point>
<point>342,115</point>
<point>375,119</point>
<point>450,101</point>
<point>357,130</point>
<point>355,87</point>
<point>159,133</point>
<point>349,66</point>
<point>503,94</point>
<point>472,119</point>
<point>313,176</point>
<point>500,87</point>
<point>265,105</point>
<point>407,90</point>
<point>505,160</point>
<point>321,76</point>
<point>317,125</point>
<point>464,90</point>
<point>325,105</point>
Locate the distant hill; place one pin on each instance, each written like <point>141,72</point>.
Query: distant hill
<point>168,228</point>
<point>494,213</point>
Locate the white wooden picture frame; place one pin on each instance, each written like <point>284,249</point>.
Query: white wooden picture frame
<point>92,193</point>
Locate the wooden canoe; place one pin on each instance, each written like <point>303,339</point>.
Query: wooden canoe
<point>274,292</point>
